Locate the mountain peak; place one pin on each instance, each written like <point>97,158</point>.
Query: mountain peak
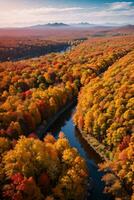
<point>56,24</point>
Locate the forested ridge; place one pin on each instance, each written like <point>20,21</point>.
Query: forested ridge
<point>105,111</point>
<point>99,72</point>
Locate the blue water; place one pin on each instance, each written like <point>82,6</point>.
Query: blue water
<point>65,124</point>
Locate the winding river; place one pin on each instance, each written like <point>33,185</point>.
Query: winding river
<point>64,123</point>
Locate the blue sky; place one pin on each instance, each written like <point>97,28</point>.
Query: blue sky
<point>29,12</point>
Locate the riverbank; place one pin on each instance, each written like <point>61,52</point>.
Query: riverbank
<point>43,128</point>
<point>60,121</point>
<point>65,124</point>
<point>23,53</point>
<point>104,154</point>
<point>99,149</point>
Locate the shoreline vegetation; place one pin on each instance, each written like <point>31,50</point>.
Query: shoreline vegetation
<point>43,128</point>
<point>98,147</point>
<point>100,123</point>
<point>33,48</point>
<point>101,150</point>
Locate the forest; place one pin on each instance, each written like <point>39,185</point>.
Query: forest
<point>98,72</point>
<point>34,41</point>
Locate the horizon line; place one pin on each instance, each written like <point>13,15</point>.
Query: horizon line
<point>69,24</point>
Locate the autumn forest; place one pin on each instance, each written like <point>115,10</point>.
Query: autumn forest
<point>43,76</point>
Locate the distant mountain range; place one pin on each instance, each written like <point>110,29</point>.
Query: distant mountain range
<point>79,25</point>
<point>82,24</point>
<point>50,25</point>
<point>60,25</point>
<point>61,29</point>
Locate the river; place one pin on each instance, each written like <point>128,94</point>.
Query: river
<point>64,123</point>
<point>20,54</point>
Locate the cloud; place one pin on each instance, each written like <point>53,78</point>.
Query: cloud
<point>118,12</point>
<point>46,10</point>
<point>120,5</point>
<point>29,16</point>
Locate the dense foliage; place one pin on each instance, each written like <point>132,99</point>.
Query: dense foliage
<point>105,110</point>
<point>34,169</point>
<point>33,91</point>
<point>30,87</point>
<point>20,114</point>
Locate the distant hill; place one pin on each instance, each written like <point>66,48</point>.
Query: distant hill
<point>83,24</point>
<point>127,28</point>
<point>55,25</point>
<point>86,24</point>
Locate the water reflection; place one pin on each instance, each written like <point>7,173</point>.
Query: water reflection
<point>65,124</point>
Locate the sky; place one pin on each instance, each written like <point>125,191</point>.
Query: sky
<point>20,13</point>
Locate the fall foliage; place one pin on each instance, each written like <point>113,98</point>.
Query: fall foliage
<point>40,168</point>
<point>97,71</point>
<point>105,111</point>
